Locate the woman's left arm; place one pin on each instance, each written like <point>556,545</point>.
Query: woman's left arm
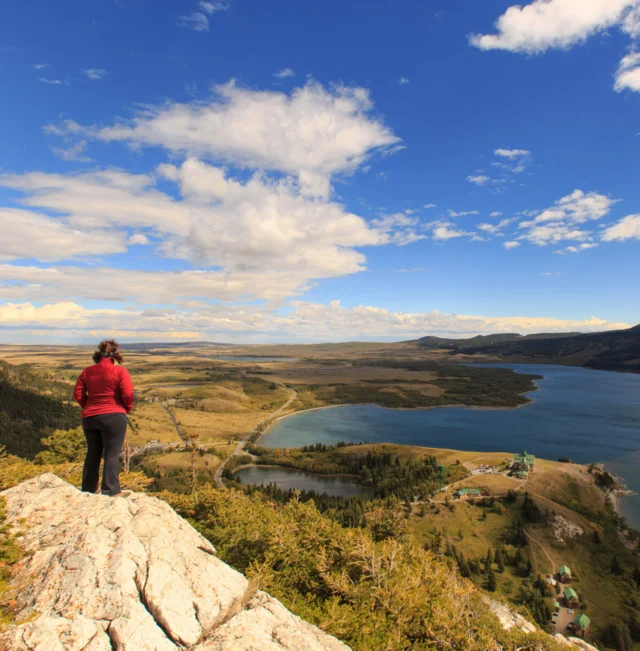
<point>126,389</point>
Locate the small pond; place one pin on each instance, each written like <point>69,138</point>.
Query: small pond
<point>287,478</point>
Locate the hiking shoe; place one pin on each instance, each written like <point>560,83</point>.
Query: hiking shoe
<point>122,494</point>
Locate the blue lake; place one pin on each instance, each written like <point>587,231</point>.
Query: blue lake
<point>588,416</point>
<point>287,478</point>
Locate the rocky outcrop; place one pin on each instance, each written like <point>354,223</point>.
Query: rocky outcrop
<point>510,620</point>
<point>129,574</point>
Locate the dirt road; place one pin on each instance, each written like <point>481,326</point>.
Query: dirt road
<point>243,442</point>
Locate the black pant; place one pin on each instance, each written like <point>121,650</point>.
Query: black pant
<point>105,434</point>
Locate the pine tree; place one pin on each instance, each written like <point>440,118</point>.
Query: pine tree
<point>616,568</point>
<point>529,567</point>
<point>489,559</point>
<point>499,558</point>
<point>636,575</point>
<point>492,582</point>
<point>463,566</point>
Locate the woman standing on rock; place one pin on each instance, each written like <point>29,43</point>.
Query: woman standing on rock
<point>105,393</point>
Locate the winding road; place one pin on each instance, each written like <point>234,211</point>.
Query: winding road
<point>243,442</point>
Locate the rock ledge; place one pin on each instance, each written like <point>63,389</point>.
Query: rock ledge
<point>107,574</point>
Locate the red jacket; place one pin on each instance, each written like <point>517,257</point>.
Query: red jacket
<point>104,388</point>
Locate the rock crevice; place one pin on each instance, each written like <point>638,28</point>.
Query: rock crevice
<point>106,574</point>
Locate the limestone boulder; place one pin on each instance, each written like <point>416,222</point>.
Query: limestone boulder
<point>129,574</point>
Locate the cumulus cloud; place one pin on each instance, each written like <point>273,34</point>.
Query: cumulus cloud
<point>565,219</point>
<point>511,245</point>
<point>463,213</point>
<point>41,66</point>
<point>628,74</point>
<point>627,228</point>
<point>217,221</point>
<point>213,7</point>
<point>284,73</point>
<point>305,321</point>
<point>403,80</point>
<point>29,234</point>
<point>546,24</point>
<point>312,133</point>
<point>444,230</point>
<point>512,153</point>
<point>479,180</point>
<point>495,214</point>
<point>94,73</point>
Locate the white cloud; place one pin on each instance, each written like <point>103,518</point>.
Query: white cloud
<point>431,205</point>
<point>408,271</point>
<point>138,239</point>
<point>495,229</point>
<point>41,66</point>
<point>512,153</point>
<point>284,73</point>
<point>479,180</point>
<point>628,74</point>
<point>305,321</point>
<point>464,213</point>
<point>29,234</point>
<point>196,21</point>
<point>628,228</point>
<point>52,82</point>
<point>312,133</point>
<point>403,80</point>
<point>546,24</point>
<point>511,245</point>
<point>495,214</point>
<point>242,227</point>
<point>565,219</point>
<point>560,24</point>
<point>94,73</point>
<point>213,7</point>
<point>73,152</point>
<point>444,230</point>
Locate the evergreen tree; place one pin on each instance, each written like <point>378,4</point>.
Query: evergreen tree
<point>616,568</point>
<point>499,559</point>
<point>489,559</point>
<point>529,567</point>
<point>636,575</point>
<point>492,582</point>
<point>463,566</point>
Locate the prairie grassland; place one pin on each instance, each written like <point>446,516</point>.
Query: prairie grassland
<point>305,373</point>
<point>151,422</point>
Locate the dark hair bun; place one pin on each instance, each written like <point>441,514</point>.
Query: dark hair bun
<point>108,348</point>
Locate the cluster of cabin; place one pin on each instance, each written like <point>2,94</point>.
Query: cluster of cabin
<point>522,465</point>
<point>581,624</point>
<point>467,493</point>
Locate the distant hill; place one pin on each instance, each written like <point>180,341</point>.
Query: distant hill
<point>173,344</point>
<point>617,350</point>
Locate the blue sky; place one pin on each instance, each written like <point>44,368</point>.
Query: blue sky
<point>260,171</point>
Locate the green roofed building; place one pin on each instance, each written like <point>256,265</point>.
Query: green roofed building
<point>467,492</point>
<point>581,624</point>
<point>524,461</point>
<point>565,574</point>
<point>571,597</point>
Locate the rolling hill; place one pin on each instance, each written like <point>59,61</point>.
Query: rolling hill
<point>617,350</point>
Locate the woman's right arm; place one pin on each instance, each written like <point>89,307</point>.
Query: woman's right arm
<point>80,391</point>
